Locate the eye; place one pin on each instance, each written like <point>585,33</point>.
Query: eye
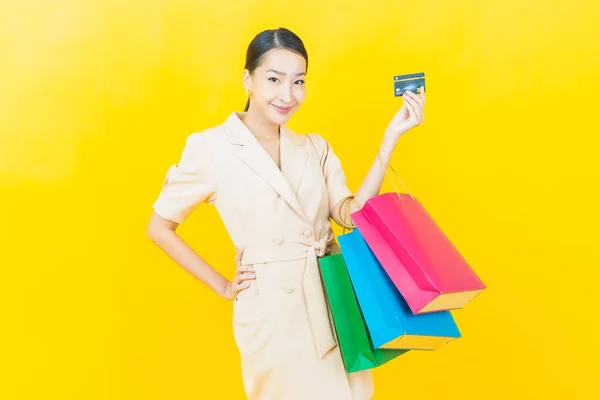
<point>299,82</point>
<point>273,79</point>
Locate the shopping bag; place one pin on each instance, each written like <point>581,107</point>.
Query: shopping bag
<point>390,322</point>
<point>355,345</point>
<point>419,258</point>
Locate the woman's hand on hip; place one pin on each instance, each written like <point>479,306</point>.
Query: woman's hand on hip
<point>241,281</point>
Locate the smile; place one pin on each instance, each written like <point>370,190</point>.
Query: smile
<point>282,110</point>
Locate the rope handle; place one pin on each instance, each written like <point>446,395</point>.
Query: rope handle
<point>397,176</point>
<point>344,204</point>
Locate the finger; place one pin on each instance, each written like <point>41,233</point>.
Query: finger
<point>413,113</point>
<point>415,106</point>
<point>238,256</point>
<point>246,276</point>
<point>246,268</point>
<point>415,97</point>
<point>241,286</point>
<point>423,93</point>
<point>239,280</point>
<point>410,96</point>
<point>417,103</point>
<point>410,93</point>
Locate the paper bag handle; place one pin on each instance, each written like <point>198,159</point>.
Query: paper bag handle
<point>397,176</point>
<point>346,209</point>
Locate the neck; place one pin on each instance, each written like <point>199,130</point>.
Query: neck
<point>259,125</point>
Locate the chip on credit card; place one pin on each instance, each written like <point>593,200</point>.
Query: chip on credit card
<point>409,82</point>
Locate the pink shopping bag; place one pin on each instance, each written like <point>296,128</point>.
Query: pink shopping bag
<point>420,260</point>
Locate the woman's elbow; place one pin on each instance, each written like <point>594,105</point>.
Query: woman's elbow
<point>158,227</point>
<point>153,232</point>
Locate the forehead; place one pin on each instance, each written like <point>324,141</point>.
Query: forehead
<point>283,60</point>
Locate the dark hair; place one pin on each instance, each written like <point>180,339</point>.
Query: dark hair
<point>272,39</point>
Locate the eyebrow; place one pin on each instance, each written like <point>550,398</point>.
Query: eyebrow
<point>283,73</point>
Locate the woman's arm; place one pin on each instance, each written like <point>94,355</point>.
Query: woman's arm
<point>408,117</point>
<point>162,232</point>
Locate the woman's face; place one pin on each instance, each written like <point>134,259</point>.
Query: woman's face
<point>277,85</point>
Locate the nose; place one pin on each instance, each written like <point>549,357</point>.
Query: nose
<point>286,94</point>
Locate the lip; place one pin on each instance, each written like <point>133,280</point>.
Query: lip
<point>282,110</point>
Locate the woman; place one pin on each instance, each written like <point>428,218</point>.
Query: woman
<point>276,192</point>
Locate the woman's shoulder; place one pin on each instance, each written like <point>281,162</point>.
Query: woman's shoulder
<point>206,137</point>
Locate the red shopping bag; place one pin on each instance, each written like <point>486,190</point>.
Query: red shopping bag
<point>421,261</point>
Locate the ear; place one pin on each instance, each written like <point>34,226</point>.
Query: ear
<point>247,80</point>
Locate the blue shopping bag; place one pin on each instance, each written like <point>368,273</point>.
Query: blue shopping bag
<point>389,320</point>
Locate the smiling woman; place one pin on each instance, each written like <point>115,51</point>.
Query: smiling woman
<point>264,80</point>
<point>277,193</point>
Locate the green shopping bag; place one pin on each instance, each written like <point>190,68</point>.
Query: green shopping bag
<point>354,341</point>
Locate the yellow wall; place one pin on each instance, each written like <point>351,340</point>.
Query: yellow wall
<point>97,98</point>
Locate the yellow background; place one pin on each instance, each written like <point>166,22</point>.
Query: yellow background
<point>97,98</point>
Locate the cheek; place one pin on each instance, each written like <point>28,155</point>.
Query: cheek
<point>299,94</point>
<point>267,92</point>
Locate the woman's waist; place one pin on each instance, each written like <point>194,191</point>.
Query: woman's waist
<point>279,251</point>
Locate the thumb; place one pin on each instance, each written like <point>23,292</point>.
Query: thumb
<point>240,252</point>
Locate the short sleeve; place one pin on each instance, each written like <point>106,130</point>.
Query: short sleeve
<point>189,183</point>
<point>333,172</point>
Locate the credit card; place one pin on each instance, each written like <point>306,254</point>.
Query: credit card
<point>410,82</point>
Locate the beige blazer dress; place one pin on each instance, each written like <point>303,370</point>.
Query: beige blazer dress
<point>281,324</point>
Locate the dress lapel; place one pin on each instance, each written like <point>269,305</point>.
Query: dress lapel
<point>293,157</point>
<point>256,157</point>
